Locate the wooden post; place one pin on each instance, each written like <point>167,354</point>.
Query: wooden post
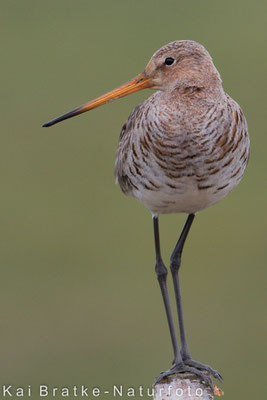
<point>184,387</point>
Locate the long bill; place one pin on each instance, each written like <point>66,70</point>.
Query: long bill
<point>138,83</point>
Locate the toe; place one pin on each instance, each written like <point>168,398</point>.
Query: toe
<point>204,367</point>
<point>205,378</point>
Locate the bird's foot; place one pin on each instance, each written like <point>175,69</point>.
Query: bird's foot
<point>203,367</point>
<point>181,368</point>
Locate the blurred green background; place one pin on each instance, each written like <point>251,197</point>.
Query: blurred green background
<point>79,298</point>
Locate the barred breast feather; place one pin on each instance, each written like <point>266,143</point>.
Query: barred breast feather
<point>182,155</point>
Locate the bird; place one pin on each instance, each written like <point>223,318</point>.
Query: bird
<point>181,150</point>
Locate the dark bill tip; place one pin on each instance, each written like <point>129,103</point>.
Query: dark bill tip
<point>47,124</point>
<point>70,114</point>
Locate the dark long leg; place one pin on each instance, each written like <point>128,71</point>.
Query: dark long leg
<point>175,266</point>
<point>162,273</point>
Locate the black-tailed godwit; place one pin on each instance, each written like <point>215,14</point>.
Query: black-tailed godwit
<point>180,151</point>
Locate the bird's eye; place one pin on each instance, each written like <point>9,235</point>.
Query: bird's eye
<point>169,61</point>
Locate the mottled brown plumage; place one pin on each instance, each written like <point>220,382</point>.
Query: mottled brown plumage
<point>185,147</point>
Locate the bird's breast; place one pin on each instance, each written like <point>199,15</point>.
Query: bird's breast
<point>173,161</point>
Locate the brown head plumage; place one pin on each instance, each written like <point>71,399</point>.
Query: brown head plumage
<point>182,64</point>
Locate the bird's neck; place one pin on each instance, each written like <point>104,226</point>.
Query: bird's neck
<point>201,82</point>
<point>198,91</point>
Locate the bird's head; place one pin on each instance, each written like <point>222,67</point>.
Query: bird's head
<point>181,64</point>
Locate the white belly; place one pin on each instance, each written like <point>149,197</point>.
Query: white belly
<point>188,200</point>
